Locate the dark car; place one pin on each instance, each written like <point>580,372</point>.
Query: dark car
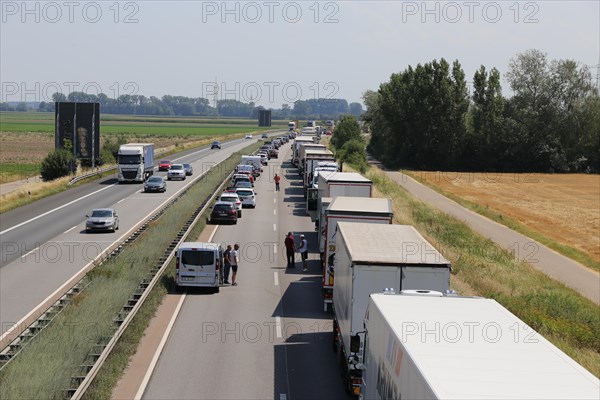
<point>155,183</point>
<point>189,170</point>
<point>264,136</point>
<point>273,153</point>
<point>164,165</point>
<point>224,211</point>
<point>215,145</point>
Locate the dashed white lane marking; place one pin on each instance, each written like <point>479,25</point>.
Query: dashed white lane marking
<point>125,198</point>
<point>275,249</point>
<point>276,278</point>
<point>274,200</point>
<point>55,209</point>
<point>274,227</point>
<point>69,230</point>
<point>274,211</point>
<point>28,253</point>
<point>278,327</point>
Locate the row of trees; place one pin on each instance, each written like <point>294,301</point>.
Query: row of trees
<point>424,118</point>
<point>197,106</point>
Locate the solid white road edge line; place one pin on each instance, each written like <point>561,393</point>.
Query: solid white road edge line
<point>55,209</point>
<point>159,349</point>
<point>10,330</point>
<point>163,341</point>
<point>275,278</point>
<point>125,198</point>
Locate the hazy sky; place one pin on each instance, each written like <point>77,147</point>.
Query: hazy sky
<point>272,52</point>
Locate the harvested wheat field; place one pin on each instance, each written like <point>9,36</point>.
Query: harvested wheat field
<point>562,207</point>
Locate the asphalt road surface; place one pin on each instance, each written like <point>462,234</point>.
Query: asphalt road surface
<point>44,244</point>
<point>268,337</point>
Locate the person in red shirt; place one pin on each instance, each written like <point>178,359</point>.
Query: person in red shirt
<point>276,178</point>
<point>290,248</point>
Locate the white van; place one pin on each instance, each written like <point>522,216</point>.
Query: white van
<point>253,160</point>
<point>199,265</point>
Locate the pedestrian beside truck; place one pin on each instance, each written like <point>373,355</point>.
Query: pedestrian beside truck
<point>303,250</point>
<point>290,249</point>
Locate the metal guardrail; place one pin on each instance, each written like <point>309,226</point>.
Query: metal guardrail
<point>27,333</point>
<point>89,371</point>
<point>87,175</point>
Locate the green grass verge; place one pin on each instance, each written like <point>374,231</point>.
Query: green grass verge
<point>10,172</point>
<point>515,225</point>
<point>143,125</point>
<point>54,356</point>
<point>560,314</point>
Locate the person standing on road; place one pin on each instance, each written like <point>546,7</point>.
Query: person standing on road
<point>303,250</point>
<point>227,264</point>
<point>276,178</point>
<point>290,248</point>
<point>234,256</point>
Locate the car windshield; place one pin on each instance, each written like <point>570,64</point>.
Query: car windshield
<point>101,213</point>
<point>165,162</point>
<point>155,179</point>
<point>216,143</point>
<point>245,192</point>
<point>230,199</point>
<point>177,166</point>
<point>186,165</point>
<point>223,207</point>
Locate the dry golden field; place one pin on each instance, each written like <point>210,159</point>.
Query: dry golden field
<point>562,207</point>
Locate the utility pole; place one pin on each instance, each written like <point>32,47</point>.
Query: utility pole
<point>216,97</point>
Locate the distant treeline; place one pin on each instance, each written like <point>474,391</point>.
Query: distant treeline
<point>321,109</point>
<point>425,118</point>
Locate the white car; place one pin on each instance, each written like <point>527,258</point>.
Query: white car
<point>248,197</point>
<point>233,197</point>
<point>177,171</point>
<point>264,158</point>
<point>248,136</point>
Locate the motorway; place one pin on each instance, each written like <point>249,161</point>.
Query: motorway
<point>266,338</point>
<point>44,244</point>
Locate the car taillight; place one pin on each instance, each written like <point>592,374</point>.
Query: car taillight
<point>232,212</point>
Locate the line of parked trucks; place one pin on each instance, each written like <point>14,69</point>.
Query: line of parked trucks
<point>399,331</point>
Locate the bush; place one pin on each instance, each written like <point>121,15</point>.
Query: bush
<point>57,164</point>
<point>354,153</point>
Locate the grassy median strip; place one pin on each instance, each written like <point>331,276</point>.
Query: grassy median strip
<point>45,367</point>
<point>481,268</point>
<point>565,250</point>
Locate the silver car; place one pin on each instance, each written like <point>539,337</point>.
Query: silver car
<point>102,219</point>
<point>177,171</point>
